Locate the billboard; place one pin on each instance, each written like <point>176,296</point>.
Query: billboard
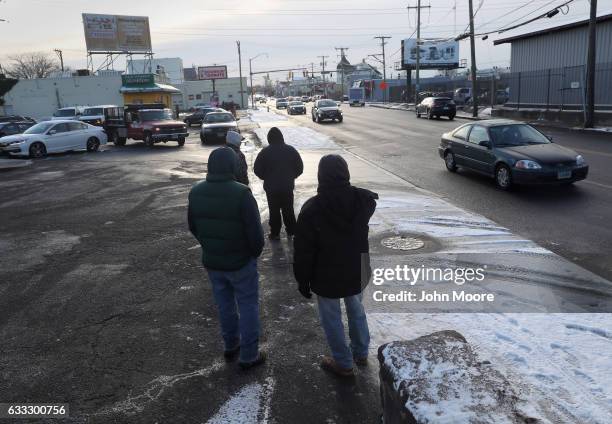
<point>212,72</point>
<point>433,54</point>
<point>111,33</point>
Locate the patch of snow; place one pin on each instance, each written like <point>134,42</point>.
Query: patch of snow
<point>250,405</point>
<point>300,138</point>
<point>563,360</point>
<point>262,116</point>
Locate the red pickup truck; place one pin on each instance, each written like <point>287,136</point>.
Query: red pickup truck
<point>150,123</point>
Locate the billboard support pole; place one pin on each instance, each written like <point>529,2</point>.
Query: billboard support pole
<point>417,82</point>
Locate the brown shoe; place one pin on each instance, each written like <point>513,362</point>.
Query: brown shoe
<point>328,364</point>
<point>361,362</point>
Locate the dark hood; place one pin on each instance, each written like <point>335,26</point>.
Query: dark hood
<point>221,164</point>
<point>275,136</point>
<point>549,153</point>
<point>344,206</point>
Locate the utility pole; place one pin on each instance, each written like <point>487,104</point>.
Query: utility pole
<point>382,39</point>
<point>240,71</point>
<point>311,78</point>
<point>417,81</point>
<point>589,116</point>
<point>61,58</point>
<point>323,74</point>
<point>473,60</point>
<point>342,49</point>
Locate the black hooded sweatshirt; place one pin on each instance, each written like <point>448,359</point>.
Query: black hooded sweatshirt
<point>331,255</point>
<point>278,164</point>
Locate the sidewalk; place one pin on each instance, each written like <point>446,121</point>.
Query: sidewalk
<point>545,353</point>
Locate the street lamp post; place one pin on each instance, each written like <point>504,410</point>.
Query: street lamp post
<point>251,76</point>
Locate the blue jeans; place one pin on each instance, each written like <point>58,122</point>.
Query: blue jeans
<point>237,297</point>
<point>330,314</point>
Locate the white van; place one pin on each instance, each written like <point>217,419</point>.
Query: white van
<point>72,112</point>
<point>94,115</point>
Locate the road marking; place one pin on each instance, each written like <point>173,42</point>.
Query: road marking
<point>598,184</point>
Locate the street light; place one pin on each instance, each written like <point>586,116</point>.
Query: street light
<point>251,59</point>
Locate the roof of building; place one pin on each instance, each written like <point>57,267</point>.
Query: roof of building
<point>344,63</point>
<point>547,31</point>
<point>151,88</point>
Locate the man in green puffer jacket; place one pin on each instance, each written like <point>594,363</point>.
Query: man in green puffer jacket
<point>224,217</point>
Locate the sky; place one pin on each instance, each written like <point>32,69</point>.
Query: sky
<point>288,33</point>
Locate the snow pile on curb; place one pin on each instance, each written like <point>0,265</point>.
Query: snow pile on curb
<point>262,116</point>
<point>300,138</point>
<point>563,360</point>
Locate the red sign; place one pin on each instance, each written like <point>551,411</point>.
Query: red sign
<point>383,85</point>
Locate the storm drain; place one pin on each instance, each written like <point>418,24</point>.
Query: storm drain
<point>403,243</point>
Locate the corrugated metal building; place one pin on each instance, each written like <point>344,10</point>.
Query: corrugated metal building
<point>548,66</point>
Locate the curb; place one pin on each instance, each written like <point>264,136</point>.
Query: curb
<point>470,118</point>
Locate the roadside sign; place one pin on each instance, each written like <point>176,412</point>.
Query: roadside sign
<point>383,85</point>
<point>212,72</point>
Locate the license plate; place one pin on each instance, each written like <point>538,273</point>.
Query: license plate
<point>564,174</point>
<point>445,107</point>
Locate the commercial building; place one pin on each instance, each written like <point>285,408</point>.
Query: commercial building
<point>548,67</point>
<point>172,66</point>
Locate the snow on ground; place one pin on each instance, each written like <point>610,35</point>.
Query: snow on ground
<point>262,116</point>
<point>565,359</point>
<point>250,405</point>
<point>300,138</point>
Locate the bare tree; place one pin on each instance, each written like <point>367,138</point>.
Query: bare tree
<point>31,65</point>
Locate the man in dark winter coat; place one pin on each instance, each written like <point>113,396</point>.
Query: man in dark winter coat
<point>278,165</point>
<point>331,259</point>
<point>233,140</point>
<point>224,217</point>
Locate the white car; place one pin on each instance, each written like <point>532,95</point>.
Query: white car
<point>53,137</point>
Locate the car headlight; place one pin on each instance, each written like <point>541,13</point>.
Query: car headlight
<point>580,160</point>
<point>156,129</point>
<point>527,164</point>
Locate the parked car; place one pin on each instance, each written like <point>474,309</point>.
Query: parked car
<point>296,108</point>
<point>326,110</point>
<point>197,117</point>
<point>511,152</point>
<point>282,103</point>
<point>73,112</point>
<point>53,137</point>
<point>14,127</point>
<point>216,125</point>
<point>151,123</point>
<point>463,95</point>
<point>345,98</point>
<point>305,99</point>
<point>437,106</point>
<point>17,118</point>
<point>95,115</point>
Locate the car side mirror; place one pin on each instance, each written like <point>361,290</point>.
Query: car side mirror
<point>485,143</point>
<point>52,132</point>
<point>549,137</point>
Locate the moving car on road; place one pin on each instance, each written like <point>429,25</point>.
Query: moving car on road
<point>305,99</point>
<point>197,117</point>
<point>152,123</point>
<point>216,125</point>
<point>512,152</point>
<point>296,108</point>
<point>282,103</point>
<point>437,106</point>
<point>53,137</point>
<point>326,110</point>
<point>15,127</point>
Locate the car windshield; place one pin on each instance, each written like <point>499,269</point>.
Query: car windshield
<point>219,117</point>
<point>39,128</point>
<point>516,135</point>
<point>65,112</point>
<point>327,103</point>
<point>296,104</point>
<point>93,111</point>
<point>155,115</point>
<point>282,100</point>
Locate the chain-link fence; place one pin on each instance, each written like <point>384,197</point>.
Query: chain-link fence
<point>558,89</point>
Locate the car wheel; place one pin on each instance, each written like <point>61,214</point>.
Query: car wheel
<point>181,142</point>
<point>313,118</point>
<point>38,150</point>
<point>202,139</point>
<point>340,119</point>
<point>449,161</point>
<point>93,144</point>
<point>418,115</point>
<point>503,177</point>
<point>451,117</point>
<point>148,140</point>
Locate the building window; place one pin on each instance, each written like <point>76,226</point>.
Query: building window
<point>191,97</point>
<point>198,97</point>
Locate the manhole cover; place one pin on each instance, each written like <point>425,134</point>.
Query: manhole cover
<point>403,243</point>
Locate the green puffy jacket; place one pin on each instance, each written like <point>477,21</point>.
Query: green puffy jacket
<point>224,217</point>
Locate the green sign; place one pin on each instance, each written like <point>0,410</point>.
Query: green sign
<point>137,80</point>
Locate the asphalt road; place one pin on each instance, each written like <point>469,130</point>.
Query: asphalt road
<point>571,221</point>
<point>104,304</point>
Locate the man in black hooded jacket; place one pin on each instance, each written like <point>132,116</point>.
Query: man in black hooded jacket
<point>331,259</point>
<point>278,165</point>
